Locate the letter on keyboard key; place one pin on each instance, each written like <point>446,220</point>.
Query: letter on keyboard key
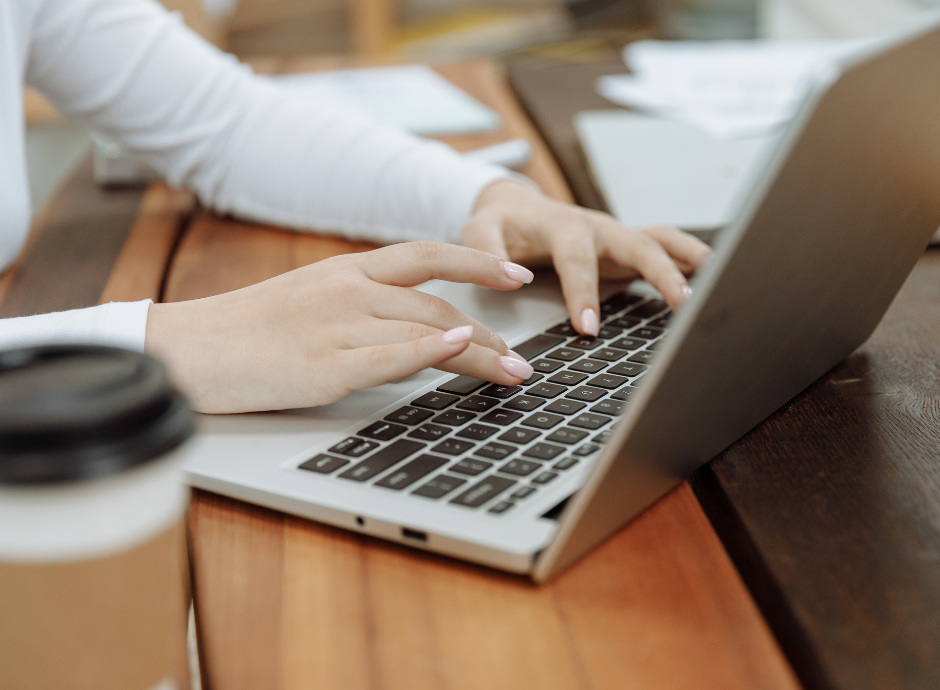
<point>520,467</point>
<point>586,394</point>
<point>471,466</point>
<point>608,381</point>
<point>525,402</point>
<point>546,366</point>
<point>452,446</point>
<point>543,420</point>
<point>501,417</point>
<point>441,485</point>
<point>462,385</point>
<point>519,436</point>
<point>495,451</point>
<point>628,369</point>
<point>454,417</point>
<point>544,451</point>
<point>382,460</point>
<point>480,493</point>
<point>408,415</point>
<point>589,421</point>
<point>568,378</point>
<point>323,464</point>
<point>642,357</point>
<point>566,435</point>
<point>501,392</point>
<point>411,472</point>
<point>533,347</point>
<point>477,432</point>
<point>435,401</point>
<point>429,432</point>
<point>478,403</point>
<point>382,431</point>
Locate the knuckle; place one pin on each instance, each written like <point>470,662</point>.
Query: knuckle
<point>425,250</point>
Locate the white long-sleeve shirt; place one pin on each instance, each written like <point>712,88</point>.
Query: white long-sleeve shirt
<point>134,72</point>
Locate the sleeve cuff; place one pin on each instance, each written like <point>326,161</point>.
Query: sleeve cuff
<point>118,324</point>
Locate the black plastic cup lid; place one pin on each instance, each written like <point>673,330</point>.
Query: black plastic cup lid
<point>70,413</point>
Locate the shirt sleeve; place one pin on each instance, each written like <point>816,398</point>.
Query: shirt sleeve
<point>245,144</point>
<point>121,324</point>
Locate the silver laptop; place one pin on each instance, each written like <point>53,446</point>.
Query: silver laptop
<point>530,478</point>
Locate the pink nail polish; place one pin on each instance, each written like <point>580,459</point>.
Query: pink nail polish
<point>590,323</point>
<point>516,368</point>
<point>457,335</point>
<point>517,272</point>
<point>516,355</point>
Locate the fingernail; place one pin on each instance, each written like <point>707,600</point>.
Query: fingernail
<point>686,292</point>
<point>457,335</point>
<point>590,324</point>
<point>516,355</point>
<point>517,272</point>
<point>513,366</point>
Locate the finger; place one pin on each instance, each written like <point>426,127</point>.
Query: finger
<point>686,250</point>
<point>575,258</point>
<point>485,235</point>
<point>413,263</point>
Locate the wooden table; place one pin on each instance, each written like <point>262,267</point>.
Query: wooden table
<point>284,603</point>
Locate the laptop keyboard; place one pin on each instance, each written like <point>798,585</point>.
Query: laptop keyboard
<point>482,446</point>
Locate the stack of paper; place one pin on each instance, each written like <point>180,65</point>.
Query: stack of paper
<point>727,88</point>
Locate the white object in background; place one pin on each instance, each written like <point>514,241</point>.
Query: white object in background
<point>412,97</point>
<point>114,166</point>
<point>512,154</point>
<point>813,19</point>
<point>652,171</point>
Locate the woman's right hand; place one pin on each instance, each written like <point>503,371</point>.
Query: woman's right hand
<point>314,335</point>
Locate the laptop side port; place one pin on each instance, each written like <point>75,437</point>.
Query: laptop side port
<point>414,534</point>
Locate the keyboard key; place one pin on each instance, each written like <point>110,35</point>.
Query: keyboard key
<point>535,378</point>
<point>586,393</point>
<point>568,378</point>
<point>408,415</point>
<point>546,366</point>
<point>471,466</point>
<point>628,344</point>
<point>608,381</point>
<point>565,464</point>
<point>323,464</point>
<point>544,451</point>
<point>661,322</point>
<point>618,302</point>
<point>609,333</point>
<point>382,460</point>
<point>411,472</point>
<point>565,354</point>
<point>625,322</point>
<point>478,403</point>
<point>501,417</point>
<point>452,447</point>
<point>479,494</point>
<point>520,468</point>
<point>533,347</point>
<point>625,393</point>
<point>588,366</point>
<point>585,342</point>
<point>547,390</point>
<point>495,451</point>
<point>638,381</point>
<point>603,437</point>
<point>501,392</point>
<point>609,354</point>
<point>641,357</point>
<point>362,449</point>
<point>522,492</point>
<point>564,406</point>
<point>544,478</point>
<point>429,432</point>
<point>462,385</point>
<point>477,432</point>
<point>345,445</point>
<point>501,507</point>
<point>519,436</point>
<point>454,417</point>
<point>382,431</point>
<point>565,329</point>
<point>611,407</point>
<point>590,421</point>
<point>435,401</point>
<point>628,369</point>
<point>543,420</point>
<point>654,346</point>
<point>566,435</point>
<point>649,309</point>
<point>586,450</point>
<point>524,403</point>
<point>645,333</point>
<point>441,485</point>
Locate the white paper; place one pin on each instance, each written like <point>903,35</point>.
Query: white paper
<point>413,97</point>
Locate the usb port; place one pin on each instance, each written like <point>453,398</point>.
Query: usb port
<point>414,534</point>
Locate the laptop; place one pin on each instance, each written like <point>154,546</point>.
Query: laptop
<point>530,478</point>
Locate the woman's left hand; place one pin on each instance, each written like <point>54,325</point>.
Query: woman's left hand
<point>520,224</point>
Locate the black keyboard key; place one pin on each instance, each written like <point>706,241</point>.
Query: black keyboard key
<point>641,357</point>
<point>654,346</point>
<point>565,329</point>
<point>546,366</point>
<point>628,369</point>
<point>520,468</point>
<point>603,437</point>
<point>471,466</point>
<point>462,385</point>
<point>568,378</point>
<point>411,472</point>
<point>545,478</point>
<point>535,378</point>
<point>544,451</point>
<point>435,401</point>
<point>383,431</point>
<point>567,436</point>
<point>628,344</point>
<point>479,494</point>
<point>346,444</point>
<point>541,420</point>
<point>564,406</point>
<point>638,381</point>
<point>452,447</point>
<point>565,354</point>
<point>609,354</point>
<point>585,342</point>
<point>547,390</point>
<point>501,392</point>
<point>611,407</point>
<point>361,450</point>
<point>586,450</point>
<point>649,309</point>
<point>501,507</point>
<point>429,432</point>
<point>478,403</point>
<point>454,417</point>
<point>645,333</point>
<point>618,302</point>
<point>441,485</point>
<point>588,420</point>
<point>519,436</point>
<point>625,394</point>
<point>661,322</point>
<point>501,417</point>
<point>477,432</point>
<point>495,451</point>
<point>382,460</point>
<point>625,322</point>
<point>323,464</point>
<point>565,464</point>
<point>588,366</point>
<point>609,333</point>
<point>533,347</point>
<point>522,492</point>
<point>408,415</point>
<point>608,381</point>
<point>586,393</point>
<point>525,403</point>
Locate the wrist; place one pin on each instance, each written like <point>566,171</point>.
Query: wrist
<point>502,191</point>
